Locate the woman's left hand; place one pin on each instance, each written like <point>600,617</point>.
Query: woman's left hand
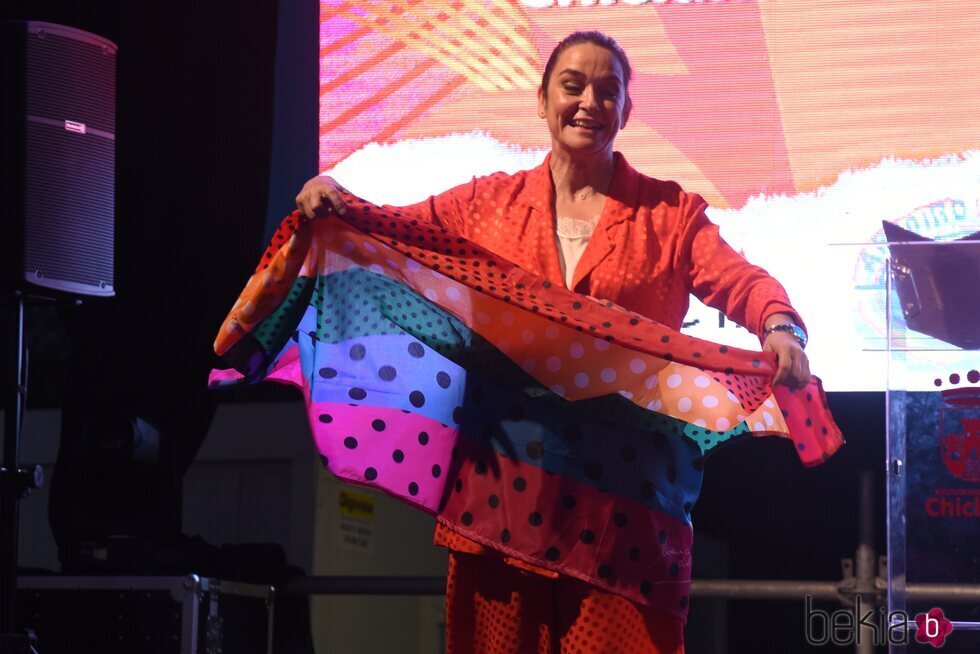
<point>794,367</point>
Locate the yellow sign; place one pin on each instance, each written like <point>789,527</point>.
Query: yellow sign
<point>359,506</point>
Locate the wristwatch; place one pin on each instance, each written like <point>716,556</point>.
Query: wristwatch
<point>793,330</point>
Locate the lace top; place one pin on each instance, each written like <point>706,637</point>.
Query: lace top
<point>572,235</point>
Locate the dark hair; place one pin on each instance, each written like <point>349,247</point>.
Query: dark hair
<point>595,38</point>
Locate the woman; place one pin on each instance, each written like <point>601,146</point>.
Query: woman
<point>587,220</point>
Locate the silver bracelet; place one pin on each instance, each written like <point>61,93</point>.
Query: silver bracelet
<point>793,330</point>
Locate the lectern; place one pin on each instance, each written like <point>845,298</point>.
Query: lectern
<point>932,343</point>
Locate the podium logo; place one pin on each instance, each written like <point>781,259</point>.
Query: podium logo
<point>960,425</point>
<point>854,626</point>
<point>932,627</point>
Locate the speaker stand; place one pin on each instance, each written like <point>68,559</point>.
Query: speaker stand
<point>15,483</point>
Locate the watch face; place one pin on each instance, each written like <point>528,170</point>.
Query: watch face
<point>799,334</point>
<point>795,330</point>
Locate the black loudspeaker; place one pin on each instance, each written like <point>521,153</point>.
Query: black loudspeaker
<point>57,159</point>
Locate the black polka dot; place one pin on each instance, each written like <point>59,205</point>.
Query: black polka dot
<point>466,518</point>
<point>423,438</point>
<point>436,471</point>
<point>370,474</point>
<point>350,442</point>
<point>416,398</point>
<point>593,470</point>
<point>443,379</point>
<point>458,415</point>
<point>674,570</point>
<point>605,572</point>
<point>535,450</point>
<point>587,536</point>
<point>569,502</point>
<point>413,489</point>
<point>357,352</point>
<point>505,536</point>
<point>387,373</point>
<point>357,393</point>
<point>458,486</point>
<point>646,588</point>
<point>620,519</point>
<point>552,554</point>
<point>493,501</point>
<point>535,519</point>
<point>328,373</point>
<point>398,456</point>
<point>520,484</point>
<point>378,425</point>
<point>634,553</point>
<point>416,350</point>
<point>325,418</point>
<point>662,536</point>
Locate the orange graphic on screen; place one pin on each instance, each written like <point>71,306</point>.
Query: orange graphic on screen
<point>731,99</point>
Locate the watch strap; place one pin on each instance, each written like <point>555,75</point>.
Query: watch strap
<point>793,330</point>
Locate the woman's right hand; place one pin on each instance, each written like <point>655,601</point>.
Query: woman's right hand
<point>319,196</point>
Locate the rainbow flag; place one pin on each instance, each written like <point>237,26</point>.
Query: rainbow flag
<point>555,428</point>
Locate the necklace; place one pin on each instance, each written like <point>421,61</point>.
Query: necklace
<point>587,193</point>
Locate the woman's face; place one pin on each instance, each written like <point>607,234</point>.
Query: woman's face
<point>585,103</point>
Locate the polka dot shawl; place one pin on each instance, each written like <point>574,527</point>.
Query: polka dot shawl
<point>557,429</point>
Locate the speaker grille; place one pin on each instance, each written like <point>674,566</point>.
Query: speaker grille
<point>69,79</point>
<point>68,224</point>
<point>68,175</point>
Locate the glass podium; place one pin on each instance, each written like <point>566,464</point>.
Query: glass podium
<point>931,341</point>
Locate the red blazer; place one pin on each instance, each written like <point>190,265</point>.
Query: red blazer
<point>653,245</point>
<point>652,248</point>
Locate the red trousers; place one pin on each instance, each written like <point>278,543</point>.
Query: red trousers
<point>495,608</point>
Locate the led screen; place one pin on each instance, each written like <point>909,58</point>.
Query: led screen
<point>804,124</point>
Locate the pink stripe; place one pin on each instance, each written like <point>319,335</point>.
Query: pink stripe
<point>382,447</point>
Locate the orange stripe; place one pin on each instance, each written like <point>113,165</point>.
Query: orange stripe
<point>347,76</point>
<point>395,127</point>
<point>345,40</point>
<point>421,108</point>
<point>332,12</point>
<point>377,97</point>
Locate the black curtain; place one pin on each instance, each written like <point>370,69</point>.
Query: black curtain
<point>194,119</point>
